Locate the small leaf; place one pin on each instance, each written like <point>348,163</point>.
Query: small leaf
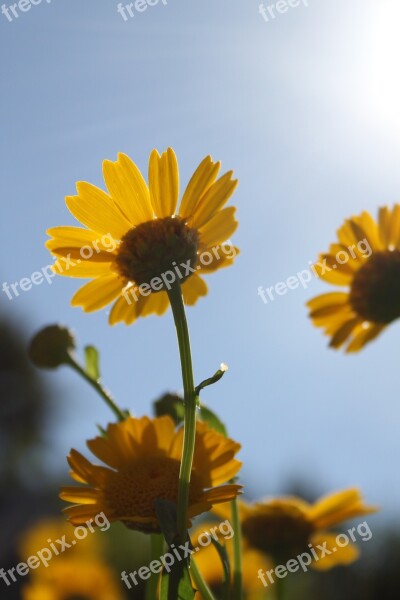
<point>209,417</point>
<point>177,585</point>
<point>172,405</point>
<point>92,362</point>
<point>167,515</point>
<point>211,380</point>
<point>102,431</point>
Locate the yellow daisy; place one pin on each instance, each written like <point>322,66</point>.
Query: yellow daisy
<point>52,528</point>
<point>143,461</point>
<point>366,260</point>
<point>78,571</point>
<point>210,565</point>
<point>69,579</point>
<point>135,240</point>
<point>282,528</point>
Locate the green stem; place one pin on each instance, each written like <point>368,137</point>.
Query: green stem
<point>119,413</point>
<point>199,582</point>
<point>189,436</point>
<point>279,586</point>
<point>156,550</point>
<point>237,552</point>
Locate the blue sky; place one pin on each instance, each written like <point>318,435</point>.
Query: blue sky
<point>304,109</point>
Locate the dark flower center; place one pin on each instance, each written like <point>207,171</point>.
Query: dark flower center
<point>279,532</point>
<point>155,247</point>
<point>375,291</point>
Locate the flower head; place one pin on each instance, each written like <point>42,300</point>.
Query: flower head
<point>70,579</point>
<point>79,571</point>
<point>366,260</point>
<point>136,243</point>
<point>283,528</point>
<point>143,460</point>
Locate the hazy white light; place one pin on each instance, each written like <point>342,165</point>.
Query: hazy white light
<point>385,62</point>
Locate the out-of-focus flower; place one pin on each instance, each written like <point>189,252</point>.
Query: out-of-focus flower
<point>283,528</point>
<point>77,571</point>
<point>366,260</point>
<point>70,579</point>
<point>143,462</point>
<point>51,347</point>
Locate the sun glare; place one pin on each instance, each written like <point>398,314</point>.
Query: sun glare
<point>385,62</point>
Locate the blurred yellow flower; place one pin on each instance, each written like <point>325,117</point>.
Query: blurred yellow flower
<point>367,261</point>
<point>57,528</point>
<point>283,528</point>
<point>144,455</point>
<point>134,234</point>
<point>67,579</point>
<point>77,572</point>
<point>210,565</point>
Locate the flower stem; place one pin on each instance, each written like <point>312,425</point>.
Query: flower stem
<point>156,550</point>
<point>199,582</point>
<point>279,589</point>
<point>119,413</point>
<point>189,436</point>
<point>237,552</point>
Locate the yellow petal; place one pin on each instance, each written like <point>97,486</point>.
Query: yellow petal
<point>85,269</point>
<point>123,311</point>
<point>328,299</point>
<point>98,293</point>
<point>219,228</point>
<point>364,335</point>
<point>338,507</point>
<point>212,259</point>
<point>394,227</point>
<point>213,200</point>
<point>331,275</point>
<point>128,189</point>
<point>343,332</point>
<point>193,289</point>
<point>335,555</point>
<point>164,182</point>
<point>204,176</point>
<point>95,209</point>
<point>371,230</point>
<point>156,303</point>
<point>384,225</point>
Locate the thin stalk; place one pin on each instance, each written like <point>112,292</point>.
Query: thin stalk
<point>279,586</point>
<point>237,552</point>
<point>119,413</point>
<point>156,550</point>
<point>199,582</point>
<point>189,436</point>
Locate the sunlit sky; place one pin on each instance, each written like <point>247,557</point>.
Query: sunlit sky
<point>304,108</point>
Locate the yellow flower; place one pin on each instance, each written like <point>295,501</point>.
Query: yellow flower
<point>37,536</point>
<point>366,260</point>
<point>73,578</point>
<point>78,571</point>
<point>134,235</point>
<point>144,455</point>
<point>210,565</point>
<point>283,528</point>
